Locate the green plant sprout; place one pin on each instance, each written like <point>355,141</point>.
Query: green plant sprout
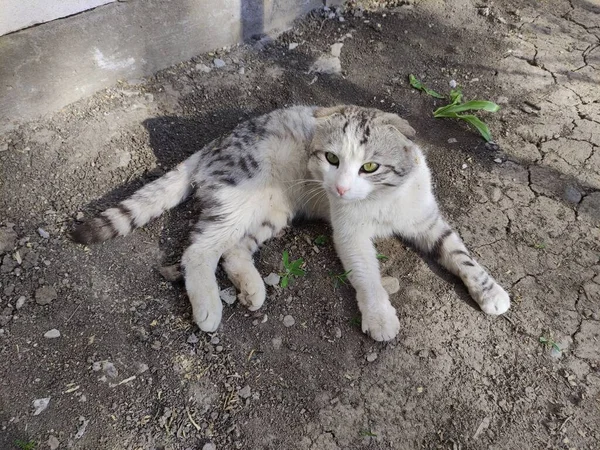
<point>457,106</point>
<point>291,269</point>
<point>340,279</point>
<point>382,257</point>
<point>22,445</point>
<point>320,240</point>
<point>549,342</point>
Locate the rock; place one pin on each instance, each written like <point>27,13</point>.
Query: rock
<point>45,295</point>
<point>43,233</point>
<point>572,194</point>
<point>242,71</point>
<point>495,195</point>
<point>276,343</point>
<point>288,321</point>
<point>390,284</point>
<point>81,428</point>
<point>40,405</point>
<point>502,100</point>
<point>464,166</point>
<point>192,338</point>
<point>21,302</point>
<point>452,141</point>
<point>215,340</point>
<point>141,368</point>
<point>53,443</point>
<point>203,68</point>
<point>209,446</point>
<point>337,332</point>
<point>52,334</point>
<point>272,279</point>
<point>228,295</point>
<point>245,392</point>
<point>326,64</point>
<point>218,62</point>
<point>109,369</point>
<point>371,357</point>
<point>292,45</point>
<point>498,160</point>
<point>336,49</point>
<point>589,208</point>
<point>8,239</point>
<point>171,273</point>
<point>79,216</point>
<point>156,345</point>
<point>452,84</point>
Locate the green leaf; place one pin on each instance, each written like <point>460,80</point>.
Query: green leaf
<point>356,321</point>
<point>284,281</point>
<point>382,257</point>
<point>456,96</point>
<point>556,347</point>
<point>474,121</point>
<point>421,87</point>
<point>543,340</point>
<point>474,105</point>
<point>367,433</point>
<point>286,259</point>
<point>320,240</point>
<point>297,272</point>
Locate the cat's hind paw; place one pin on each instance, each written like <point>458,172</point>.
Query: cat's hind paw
<point>382,323</point>
<point>496,301</point>
<point>207,315</point>
<point>252,293</point>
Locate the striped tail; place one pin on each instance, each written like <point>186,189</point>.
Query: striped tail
<point>146,204</point>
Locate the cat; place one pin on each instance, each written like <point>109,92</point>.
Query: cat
<point>352,166</point>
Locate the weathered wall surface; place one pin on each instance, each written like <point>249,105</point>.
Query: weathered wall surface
<point>49,66</point>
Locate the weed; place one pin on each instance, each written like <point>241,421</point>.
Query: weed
<point>382,257</point>
<point>549,342</point>
<point>320,240</point>
<point>22,445</point>
<point>340,279</point>
<point>457,106</point>
<point>369,433</point>
<point>292,269</point>
<point>355,321</point>
<point>539,245</point>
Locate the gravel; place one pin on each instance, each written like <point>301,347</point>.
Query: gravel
<point>245,392</point>
<point>8,239</point>
<point>272,279</point>
<point>52,334</point>
<point>219,63</point>
<point>45,295</point>
<point>371,357</point>
<point>192,338</point>
<point>390,284</point>
<point>40,404</point>
<point>288,321</point>
<point>277,343</point>
<point>21,302</point>
<point>228,295</point>
<point>43,233</point>
<point>209,446</point>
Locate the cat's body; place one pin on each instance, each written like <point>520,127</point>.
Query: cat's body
<point>351,166</point>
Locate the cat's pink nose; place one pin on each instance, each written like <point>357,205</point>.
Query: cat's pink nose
<point>342,190</point>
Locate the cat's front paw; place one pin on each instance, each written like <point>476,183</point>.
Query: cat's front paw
<point>207,314</point>
<point>380,322</point>
<point>496,301</point>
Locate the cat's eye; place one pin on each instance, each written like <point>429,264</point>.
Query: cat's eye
<point>332,159</point>
<point>369,167</point>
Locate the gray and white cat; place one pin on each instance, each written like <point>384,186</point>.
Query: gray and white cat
<point>352,166</point>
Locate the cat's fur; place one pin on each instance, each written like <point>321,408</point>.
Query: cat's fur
<point>254,181</point>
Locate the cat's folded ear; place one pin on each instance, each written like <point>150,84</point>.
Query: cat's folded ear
<point>329,111</point>
<point>397,122</point>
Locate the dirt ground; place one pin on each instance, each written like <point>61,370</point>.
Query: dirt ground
<point>130,370</point>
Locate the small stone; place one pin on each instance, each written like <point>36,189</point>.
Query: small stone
<point>337,332</point>
<point>43,233</point>
<point>192,338</point>
<point>497,160</point>
<point>141,368</point>
<point>390,284</point>
<point>452,141</point>
<point>52,334</point>
<point>79,217</point>
<point>336,49</point>
<point>218,62</point>
<point>53,443</point>
<point>3,147</point>
<point>272,279</point>
<point>496,195</point>
<point>8,239</point>
<point>464,166</point>
<point>572,194</point>
<point>502,100</point>
<point>341,19</point>
<point>276,343</point>
<point>219,348</point>
<point>452,84</point>
<point>109,369</point>
<point>245,392</point>
<point>45,295</point>
<point>242,71</point>
<point>371,357</point>
<point>228,295</point>
<point>203,68</point>
<point>209,446</point>
<point>21,302</point>
<point>215,340</point>
<point>149,97</point>
<point>156,345</point>
<point>40,405</point>
<point>288,321</point>
<point>292,45</point>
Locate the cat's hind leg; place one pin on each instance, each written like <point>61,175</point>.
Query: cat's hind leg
<point>433,235</point>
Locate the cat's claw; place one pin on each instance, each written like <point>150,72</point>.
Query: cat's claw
<point>496,301</point>
<point>252,295</point>
<point>382,323</point>
<point>207,316</point>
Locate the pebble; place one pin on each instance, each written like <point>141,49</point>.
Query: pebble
<point>141,368</point>
<point>292,45</point>
<point>79,216</point>
<point>21,302</point>
<point>371,357</point>
<point>337,332</point>
<point>8,239</point>
<point>496,195</point>
<point>203,68</point>
<point>272,279</point>
<point>52,334</point>
<point>215,340</point>
<point>242,71</point>
<point>288,321</point>
<point>219,348</point>
<point>277,343</point>
<point>192,338</point>
<point>452,84</point>
<point>45,295</point>
<point>40,404</point>
<point>452,141</point>
<point>109,369</point>
<point>43,233</point>
<point>218,62</point>
<point>497,160</point>
<point>228,295</point>
<point>502,100</point>
<point>156,345</point>
<point>53,443</point>
<point>390,284</point>
<point>464,166</point>
<point>245,392</point>
<point>336,49</point>
<point>209,446</point>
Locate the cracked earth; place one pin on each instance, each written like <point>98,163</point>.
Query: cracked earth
<point>130,370</point>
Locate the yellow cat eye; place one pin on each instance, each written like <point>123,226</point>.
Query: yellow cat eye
<point>332,159</point>
<point>369,167</point>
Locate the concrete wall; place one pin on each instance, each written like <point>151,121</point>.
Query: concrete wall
<point>18,14</point>
<point>49,66</point>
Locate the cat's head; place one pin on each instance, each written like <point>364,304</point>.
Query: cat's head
<point>360,151</point>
